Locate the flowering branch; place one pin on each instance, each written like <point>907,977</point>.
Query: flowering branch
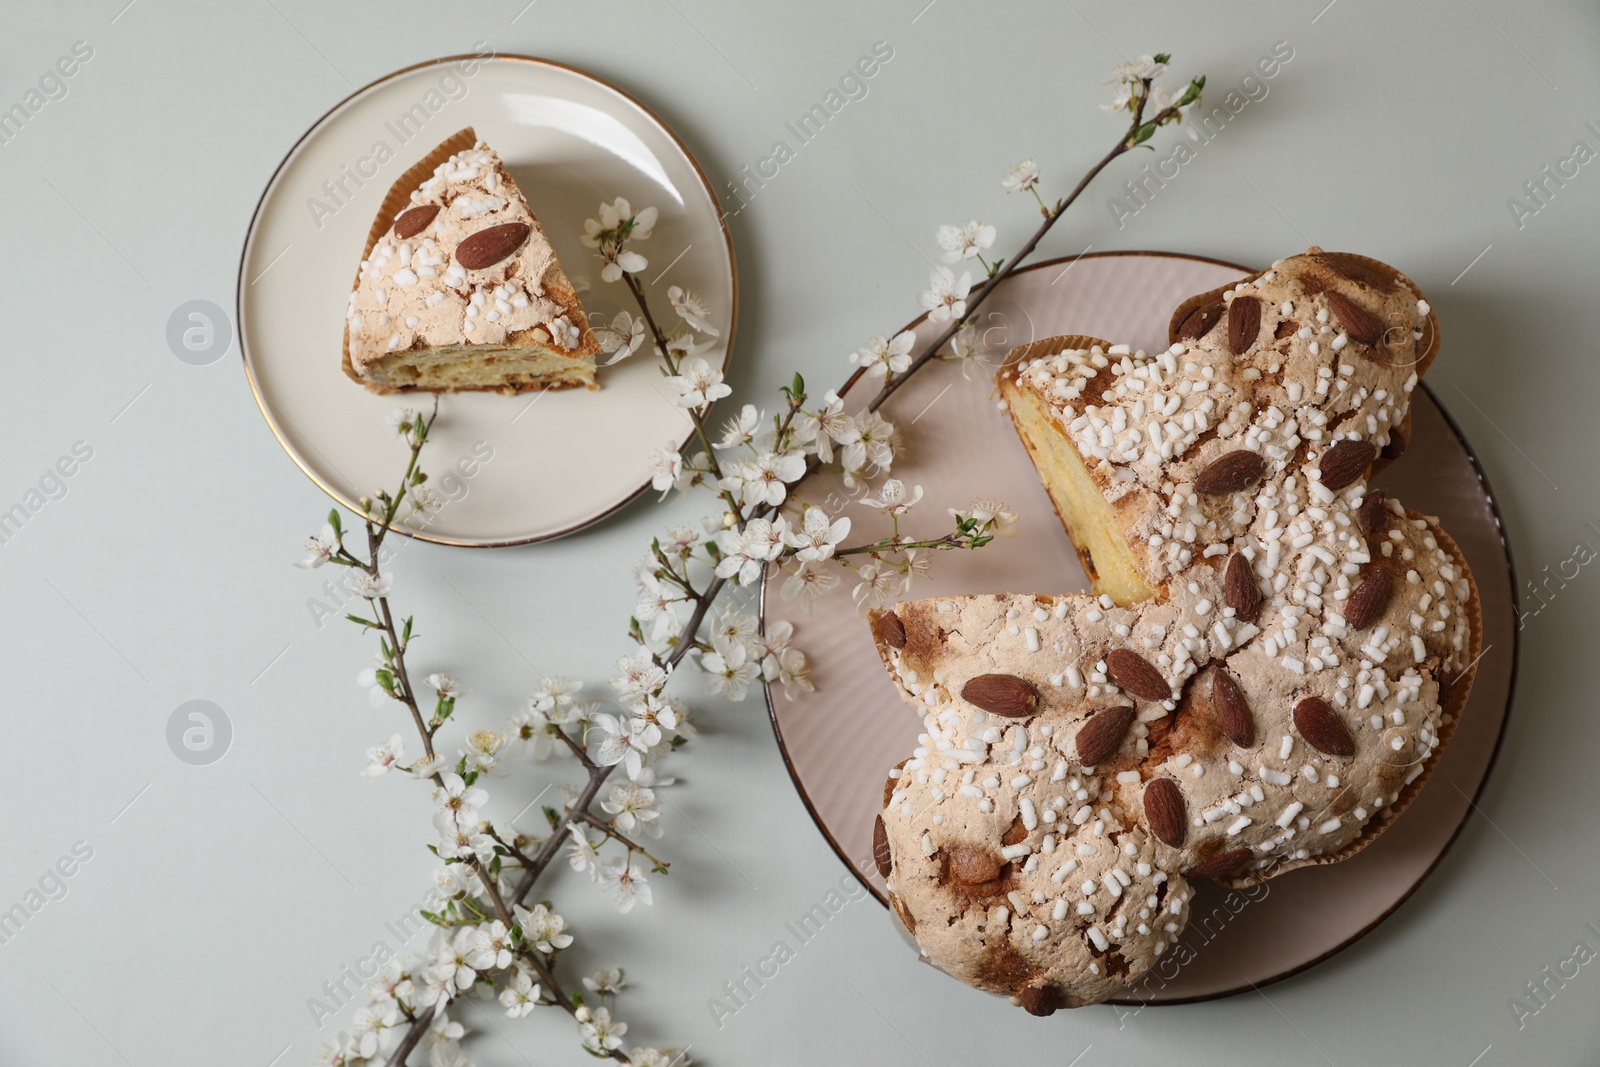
<point>487,936</point>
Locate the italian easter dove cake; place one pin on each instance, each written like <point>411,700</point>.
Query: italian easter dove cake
<point>459,288</point>
<point>1263,674</point>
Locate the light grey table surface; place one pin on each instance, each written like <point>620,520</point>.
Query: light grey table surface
<point>219,899</point>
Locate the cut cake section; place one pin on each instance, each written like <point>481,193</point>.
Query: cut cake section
<point>459,290</point>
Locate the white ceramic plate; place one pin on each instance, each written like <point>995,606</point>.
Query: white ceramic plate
<point>557,461</point>
<point>840,742</point>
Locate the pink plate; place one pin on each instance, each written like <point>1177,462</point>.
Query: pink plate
<point>840,742</point>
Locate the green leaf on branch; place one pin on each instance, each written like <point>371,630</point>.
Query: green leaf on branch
<point>366,624</point>
<point>1144,133</point>
<point>333,520</point>
<point>1163,57</point>
<point>552,816</point>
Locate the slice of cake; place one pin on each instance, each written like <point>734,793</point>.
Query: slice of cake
<point>460,291</point>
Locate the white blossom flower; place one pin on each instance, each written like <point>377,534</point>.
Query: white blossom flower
<point>773,642</point>
<point>319,548</point>
<point>533,729</point>
<point>622,338</point>
<point>446,1052</point>
<point>339,1051</point>
<point>628,887</point>
<point>698,384</point>
<point>882,357</point>
<point>543,928</point>
<point>745,549</point>
<point>453,881</point>
<point>792,672</point>
<point>620,744</point>
<point>453,965</point>
<point>637,676</point>
<point>371,1024</point>
<point>964,242</point>
<point>381,757</point>
<point>627,261</point>
<point>729,668</point>
<point>741,429</point>
<point>437,988</point>
<point>735,625</point>
<point>605,981</point>
<point>391,981</point>
<point>657,606</point>
<point>879,584</point>
<point>892,498</point>
<point>426,766</point>
<point>614,214</point>
<point>456,803</point>
<point>600,1033</point>
<point>823,427</point>
<point>607,231</point>
<point>765,479</point>
<point>764,538</point>
<point>444,1028</point>
<point>817,537</point>
<point>554,693</point>
<point>683,346</point>
<point>492,951</point>
<point>366,585</point>
<point>1125,97</point>
<point>1145,67</point>
<point>443,684</point>
<point>462,842</point>
<point>946,297</point>
<point>654,717</point>
<point>986,511</point>
<point>681,540</point>
<point>1162,98</point>
<point>691,308</point>
<point>666,466</point>
<point>483,751</point>
<point>869,439</point>
<point>520,997</point>
<point>651,1057</point>
<point>1021,178</point>
<point>971,349</point>
<point>809,582</point>
<point>425,501</point>
<point>401,420</point>
<point>581,857</point>
<point>632,808</point>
